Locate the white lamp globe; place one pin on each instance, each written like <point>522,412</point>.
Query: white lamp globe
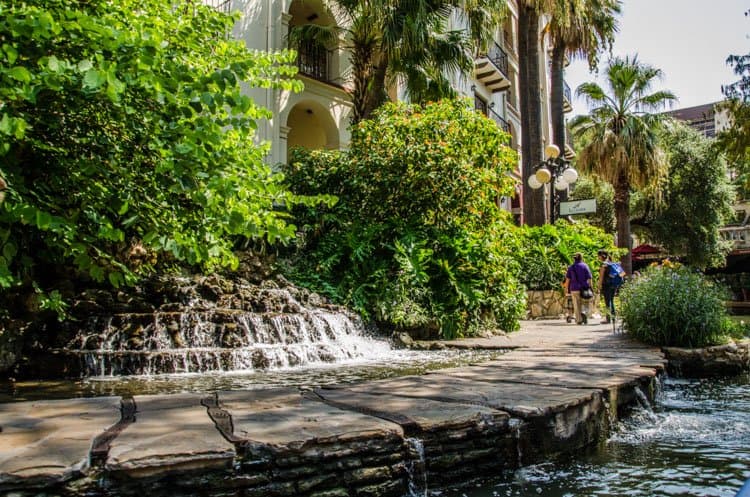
<point>552,151</point>
<point>543,175</point>
<point>534,183</point>
<point>570,175</point>
<point>560,184</point>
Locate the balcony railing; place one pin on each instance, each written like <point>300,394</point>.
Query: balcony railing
<point>499,58</point>
<point>502,123</point>
<point>491,69</point>
<point>313,60</point>
<point>738,235</point>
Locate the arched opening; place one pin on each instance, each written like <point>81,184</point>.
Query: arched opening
<point>311,126</point>
<point>513,136</point>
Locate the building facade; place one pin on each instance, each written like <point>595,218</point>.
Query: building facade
<point>319,116</point>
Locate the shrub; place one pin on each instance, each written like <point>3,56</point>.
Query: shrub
<point>546,251</point>
<point>674,305</point>
<point>124,126</point>
<point>417,239</point>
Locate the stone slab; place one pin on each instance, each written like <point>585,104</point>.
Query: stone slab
<point>170,434</point>
<point>285,419</point>
<point>551,376</point>
<point>410,412</point>
<point>47,442</point>
<point>580,361</point>
<point>515,398</point>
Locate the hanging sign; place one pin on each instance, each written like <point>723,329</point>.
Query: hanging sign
<point>585,206</point>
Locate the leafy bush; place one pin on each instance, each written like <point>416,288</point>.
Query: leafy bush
<point>546,251</point>
<point>417,239</point>
<point>674,305</point>
<point>126,139</point>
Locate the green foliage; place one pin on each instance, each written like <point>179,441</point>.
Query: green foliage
<point>126,139</point>
<point>674,306</point>
<point>592,187</point>
<point>697,197</point>
<point>735,142</point>
<point>546,251</point>
<point>417,239</point>
<point>406,40</point>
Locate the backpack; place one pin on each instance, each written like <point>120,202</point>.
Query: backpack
<point>615,274</point>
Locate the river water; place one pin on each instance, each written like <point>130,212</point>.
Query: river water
<point>694,442</point>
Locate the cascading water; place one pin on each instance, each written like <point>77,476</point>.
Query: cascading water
<point>695,440</point>
<point>246,328</point>
<point>416,468</point>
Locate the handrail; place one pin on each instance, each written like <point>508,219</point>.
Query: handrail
<point>499,58</point>
<point>313,60</point>
<point>501,122</point>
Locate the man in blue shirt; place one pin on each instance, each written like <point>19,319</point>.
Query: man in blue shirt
<point>578,278</point>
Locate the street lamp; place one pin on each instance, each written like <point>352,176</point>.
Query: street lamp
<point>554,170</point>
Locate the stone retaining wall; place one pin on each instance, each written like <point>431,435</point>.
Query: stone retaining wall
<point>372,439</point>
<point>721,360</point>
<point>545,304</point>
<point>551,304</point>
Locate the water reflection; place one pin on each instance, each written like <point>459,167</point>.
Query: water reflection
<point>396,363</point>
<point>696,442</point>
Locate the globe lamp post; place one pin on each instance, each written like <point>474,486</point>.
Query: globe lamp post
<point>556,171</point>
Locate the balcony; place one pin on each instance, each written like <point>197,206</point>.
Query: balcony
<point>739,236</point>
<point>567,98</point>
<point>491,69</point>
<point>313,61</point>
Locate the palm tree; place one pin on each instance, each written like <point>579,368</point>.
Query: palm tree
<point>620,133</point>
<point>406,39</point>
<point>577,28</point>
<point>529,79</point>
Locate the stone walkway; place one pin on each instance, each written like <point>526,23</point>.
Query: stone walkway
<point>556,391</point>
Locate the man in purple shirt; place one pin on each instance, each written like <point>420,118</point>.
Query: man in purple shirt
<point>577,278</point>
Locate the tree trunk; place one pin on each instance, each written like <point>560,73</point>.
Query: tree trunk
<point>556,102</point>
<point>622,215</point>
<point>376,89</point>
<point>362,70</point>
<point>534,210</point>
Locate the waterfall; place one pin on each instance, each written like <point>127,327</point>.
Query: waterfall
<point>643,401</point>
<point>416,468</point>
<point>253,328</point>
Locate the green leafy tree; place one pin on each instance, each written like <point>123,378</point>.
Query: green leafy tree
<point>126,140</point>
<point>735,139</point>
<point>696,198</point>
<point>622,144</point>
<point>588,187</point>
<point>389,40</point>
<point>417,239</point>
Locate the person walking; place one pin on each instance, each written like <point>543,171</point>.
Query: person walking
<point>610,279</point>
<point>577,279</point>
